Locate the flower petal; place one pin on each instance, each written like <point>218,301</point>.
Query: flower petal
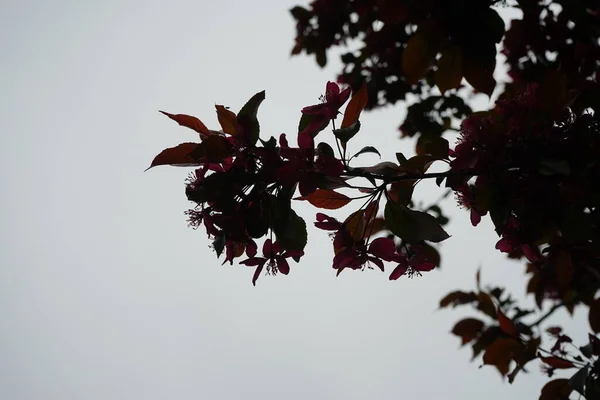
<point>282,265</point>
<point>398,271</point>
<point>383,248</point>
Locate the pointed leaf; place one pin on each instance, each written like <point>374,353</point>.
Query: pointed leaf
<point>398,272</point>
<point>401,158</point>
<point>257,273</point>
<point>506,324</point>
<point>219,245</point>
<point>327,199</point>
<point>247,117</point>
<point>227,119</point>
<point>449,72</point>
<point>368,149</point>
<point>189,122</point>
<point>180,155</point>
<point>362,222</point>
<point>355,106</point>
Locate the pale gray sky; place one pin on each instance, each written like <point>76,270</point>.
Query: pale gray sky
<point>104,291</point>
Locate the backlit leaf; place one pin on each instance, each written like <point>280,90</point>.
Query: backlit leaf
<point>506,324</point>
<point>355,224</point>
<point>449,72</point>
<point>362,223</point>
<point>418,55</point>
<point>180,155</point>
<point>355,106</point>
<point>227,119</point>
<point>189,122</point>
<point>327,199</point>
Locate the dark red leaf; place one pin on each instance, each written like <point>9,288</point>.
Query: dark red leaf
<point>377,262</point>
<point>500,353</point>
<point>506,324</point>
<point>468,329</point>
<point>557,389</point>
<point>180,155</point>
<point>449,72</point>
<point>327,223</point>
<point>227,119</point>
<point>189,122</point>
<point>251,248</point>
<point>283,266</point>
<point>327,199</point>
<point>486,304</point>
<point>355,106</point>
<point>252,262</point>
<point>458,298</point>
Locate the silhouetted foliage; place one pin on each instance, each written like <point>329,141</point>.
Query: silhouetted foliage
<point>531,162</point>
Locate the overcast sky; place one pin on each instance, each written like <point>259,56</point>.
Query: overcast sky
<point>104,291</point>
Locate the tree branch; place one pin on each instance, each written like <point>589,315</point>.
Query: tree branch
<point>548,313</point>
<point>355,172</point>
